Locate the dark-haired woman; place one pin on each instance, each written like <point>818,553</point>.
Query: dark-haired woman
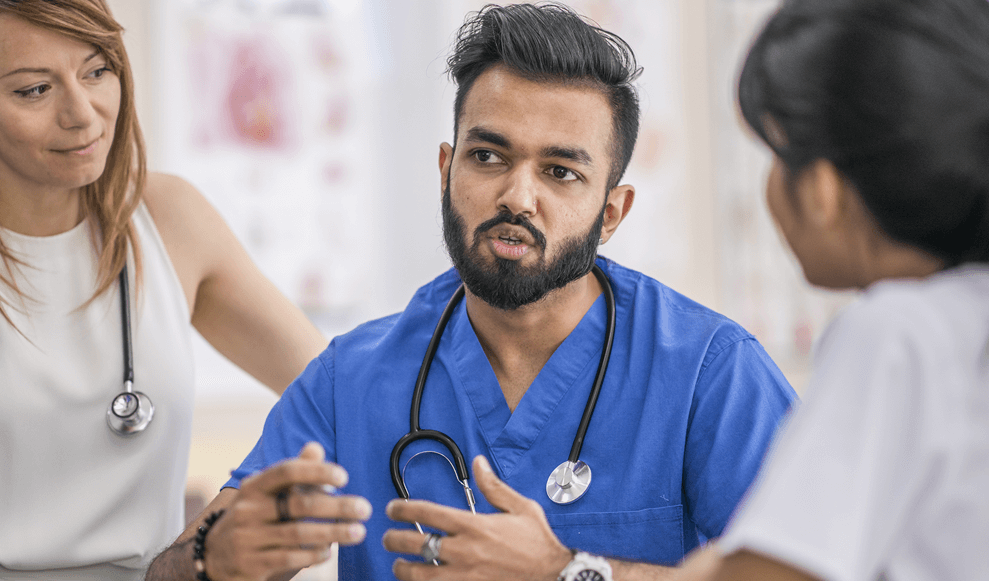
<point>78,500</point>
<point>877,112</point>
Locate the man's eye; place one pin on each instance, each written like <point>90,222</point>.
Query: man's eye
<point>563,174</point>
<point>485,156</point>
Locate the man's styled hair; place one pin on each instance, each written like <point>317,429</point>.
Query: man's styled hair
<point>552,43</point>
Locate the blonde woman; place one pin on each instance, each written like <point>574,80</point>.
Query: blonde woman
<point>78,500</point>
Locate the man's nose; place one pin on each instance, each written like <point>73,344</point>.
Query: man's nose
<point>76,108</point>
<point>521,192</point>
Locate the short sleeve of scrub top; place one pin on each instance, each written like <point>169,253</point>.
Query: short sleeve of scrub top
<point>297,418</point>
<point>740,395</point>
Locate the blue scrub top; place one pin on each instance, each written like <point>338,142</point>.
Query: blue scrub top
<point>688,407</point>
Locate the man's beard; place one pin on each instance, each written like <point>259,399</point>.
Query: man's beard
<point>507,285</point>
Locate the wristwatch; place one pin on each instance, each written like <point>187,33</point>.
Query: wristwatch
<point>586,567</point>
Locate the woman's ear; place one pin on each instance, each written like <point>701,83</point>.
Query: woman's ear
<point>823,195</point>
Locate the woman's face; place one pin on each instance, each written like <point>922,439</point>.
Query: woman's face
<point>804,211</point>
<point>58,109</point>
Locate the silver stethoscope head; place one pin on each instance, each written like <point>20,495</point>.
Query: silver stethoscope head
<point>130,411</point>
<point>568,482</point>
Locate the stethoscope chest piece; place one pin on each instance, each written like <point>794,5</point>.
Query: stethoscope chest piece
<point>568,482</point>
<point>130,412</point>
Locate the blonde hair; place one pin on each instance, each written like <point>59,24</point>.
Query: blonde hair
<point>110,201</point>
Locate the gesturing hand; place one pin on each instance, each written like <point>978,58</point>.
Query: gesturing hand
<point>516,543</point>
<point>250,541</point>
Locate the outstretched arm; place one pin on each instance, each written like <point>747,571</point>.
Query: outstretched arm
<point>233,305</point>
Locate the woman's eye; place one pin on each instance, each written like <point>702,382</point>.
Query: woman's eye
<point>563,174</point>
<point>98,73</point>
<point>485,156</point>
<point>34,91</point>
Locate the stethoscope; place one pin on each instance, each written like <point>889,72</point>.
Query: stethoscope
<point>569,480</point>
<point>130,411</point>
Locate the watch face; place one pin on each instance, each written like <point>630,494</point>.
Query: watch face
<point>589,575</point>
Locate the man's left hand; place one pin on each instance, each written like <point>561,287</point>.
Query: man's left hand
<point>515,543</point>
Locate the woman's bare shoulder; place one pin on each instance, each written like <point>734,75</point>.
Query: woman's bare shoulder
<point>193,232</point>
<point>171,198</point>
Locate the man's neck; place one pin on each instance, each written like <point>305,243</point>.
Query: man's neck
<point>518,343</point>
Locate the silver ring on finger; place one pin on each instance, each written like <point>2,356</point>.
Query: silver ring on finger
<point>431,548</point>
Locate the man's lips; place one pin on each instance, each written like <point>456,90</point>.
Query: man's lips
<point>511,235</point>
<point>509,247</point>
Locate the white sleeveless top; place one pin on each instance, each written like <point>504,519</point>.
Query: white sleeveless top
<point>78,501</point>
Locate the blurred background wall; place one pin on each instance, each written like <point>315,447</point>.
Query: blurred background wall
<point>314,125</point>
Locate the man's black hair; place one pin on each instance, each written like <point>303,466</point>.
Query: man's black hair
<point>550,42</point>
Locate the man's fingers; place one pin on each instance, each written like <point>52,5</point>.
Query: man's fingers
<point>295,471</point>
<point>406,571</point>
<point>499,494</point>
<point>408,542</point>
<point>430,514</point>
<point>318,505</point>
<point>313,451</point>
<point>312,534</point>
<point>280,560</point>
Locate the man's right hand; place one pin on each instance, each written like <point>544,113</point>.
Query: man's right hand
<point>250,542</point>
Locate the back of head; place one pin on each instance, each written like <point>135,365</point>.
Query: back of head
<point>552,43</point>
<point>895,93</point>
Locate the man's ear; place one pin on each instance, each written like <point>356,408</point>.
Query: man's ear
<point>619,203</point>
<point>446,158</point>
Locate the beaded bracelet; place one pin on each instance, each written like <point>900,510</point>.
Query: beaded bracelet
<point>199,546</point>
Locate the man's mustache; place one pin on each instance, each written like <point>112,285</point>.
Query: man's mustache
<point>514,220</point>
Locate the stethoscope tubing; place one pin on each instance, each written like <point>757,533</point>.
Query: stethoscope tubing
<point>136,409</point>
<point>592,399</point>
<point>460,466</point>
<point>125,330</point>
<point>415,432</point>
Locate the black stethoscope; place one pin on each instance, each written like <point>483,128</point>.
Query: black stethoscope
<point>130,411</point>
<point>569,480</point>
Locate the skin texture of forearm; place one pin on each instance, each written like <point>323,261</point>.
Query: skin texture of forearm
<point>629,571</point>
<point>173,563</point>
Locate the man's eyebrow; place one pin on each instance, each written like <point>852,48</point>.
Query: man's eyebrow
<point>576,154</point>
<point>95,54</point>
<point>480,134</point>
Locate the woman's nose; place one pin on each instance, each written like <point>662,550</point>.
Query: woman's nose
<point>76,111</point>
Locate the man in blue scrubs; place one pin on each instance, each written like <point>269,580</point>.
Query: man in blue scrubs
<point>546,119</point>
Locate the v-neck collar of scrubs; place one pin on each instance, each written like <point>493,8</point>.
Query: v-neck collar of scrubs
<point>509,435</point>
